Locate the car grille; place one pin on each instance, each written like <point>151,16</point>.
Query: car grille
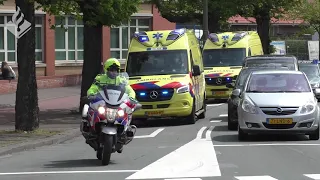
<point>279,126</point>
<point>145,95</point>
<point>284,110</point>
<point>216,82</point>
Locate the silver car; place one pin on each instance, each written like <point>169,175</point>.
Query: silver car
<point>277,101</point>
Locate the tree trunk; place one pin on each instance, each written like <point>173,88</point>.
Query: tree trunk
<point>92,58</point>
<point>27,110</point>
<point>263,27</point>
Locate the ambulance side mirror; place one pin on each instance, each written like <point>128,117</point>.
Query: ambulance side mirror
<point>196,70</point>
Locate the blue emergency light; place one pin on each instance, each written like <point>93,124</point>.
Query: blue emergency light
<point>143,38</point>
<point>165,92</point>
<point>315,61</point>
<point>142,94</point>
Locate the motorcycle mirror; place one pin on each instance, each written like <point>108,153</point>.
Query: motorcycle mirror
<point>138,106</point>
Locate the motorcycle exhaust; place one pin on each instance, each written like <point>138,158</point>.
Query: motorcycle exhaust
<point>130,134</point>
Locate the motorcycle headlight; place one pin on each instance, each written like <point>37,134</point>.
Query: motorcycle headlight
<point>249,107</point>
<point>120,113</point>
<point>308,108</point>
<point>101,110</point>
<point>183,89</point>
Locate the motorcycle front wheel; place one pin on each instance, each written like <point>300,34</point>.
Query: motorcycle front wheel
<point>107,149</point>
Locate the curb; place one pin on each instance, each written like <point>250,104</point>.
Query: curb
<point>56,139</point>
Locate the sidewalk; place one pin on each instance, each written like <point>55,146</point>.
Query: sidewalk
<point>58,122</point>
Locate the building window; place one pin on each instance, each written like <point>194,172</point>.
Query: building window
<point>120,36</point>
<point>8,41</point>
<point>69,42</point>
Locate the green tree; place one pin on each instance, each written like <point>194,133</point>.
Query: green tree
<point>96,14</point>
<point>190,11</point>
<point>263,11</point>
<point>309,12</point>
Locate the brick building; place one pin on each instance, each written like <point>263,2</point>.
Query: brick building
<point>61,53</point>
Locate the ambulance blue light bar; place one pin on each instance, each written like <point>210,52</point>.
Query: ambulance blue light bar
<point>315,61</point>
<point>213,37</point>
<point>175,34</point>
<point>141,36</point>
<point>239,36</point>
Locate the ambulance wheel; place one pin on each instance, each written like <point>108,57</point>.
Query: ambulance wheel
<point>192,118</point>
<point>204,108</point>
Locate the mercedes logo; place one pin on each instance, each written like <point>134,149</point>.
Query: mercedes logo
<point>219,81</point>
<point>279,110</point>
<point>153,94</point>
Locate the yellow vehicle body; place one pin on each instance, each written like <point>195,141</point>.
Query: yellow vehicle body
<point>160,65</point>
<point>223,55</point>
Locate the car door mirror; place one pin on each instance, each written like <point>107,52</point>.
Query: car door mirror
<point>236,92</point>
<point>230,85</point>
<point>196,70</point>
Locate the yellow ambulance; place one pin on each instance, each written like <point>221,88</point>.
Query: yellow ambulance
<point>166,72</point>
<point>223,55</point>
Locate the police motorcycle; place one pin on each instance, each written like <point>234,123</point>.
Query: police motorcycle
<point>106,119</point>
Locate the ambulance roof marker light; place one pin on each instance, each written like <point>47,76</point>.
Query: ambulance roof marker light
<point>239,36</point>
<point>175,34</point>
<point>213,37</point>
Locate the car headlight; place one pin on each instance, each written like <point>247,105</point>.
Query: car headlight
<point>308,108</point>
<point>101,110</point>
<point>120,113</point>
<point>248,106</point>
<point>183,89</point>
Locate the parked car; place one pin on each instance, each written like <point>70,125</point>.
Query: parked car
<point>279,102</point>
<point>285,60</point>
<point>233,101</point>
<point>311,69</point>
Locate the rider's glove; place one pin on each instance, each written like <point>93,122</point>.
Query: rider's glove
<point>133,100</point>
<point>91,97</point>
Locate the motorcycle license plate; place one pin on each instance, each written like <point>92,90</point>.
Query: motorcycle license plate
<point>154,113</point>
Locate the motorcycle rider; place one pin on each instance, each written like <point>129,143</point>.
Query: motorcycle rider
<point>111,69</point>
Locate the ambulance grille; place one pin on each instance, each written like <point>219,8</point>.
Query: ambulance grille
<point>153,95</point>
<point>218,81</point>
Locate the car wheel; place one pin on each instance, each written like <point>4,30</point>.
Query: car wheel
<point>241,135</point>
<point>314,135</point>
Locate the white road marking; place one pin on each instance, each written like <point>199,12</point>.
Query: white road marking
<point>185,179</point>
<point>154,134</point>
<point>280,144</point>
<point>223,115</point>
<point>200,132</point>
<point>216,121</point>
<point>255,178</point>
<point>208,133</point>
<point>66,172</point>
<point>193,160</point>
<point>313,176</point>
<point>214,105</point>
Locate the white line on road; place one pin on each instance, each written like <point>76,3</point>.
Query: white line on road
<point>255,178</point>
<point>193,160</point>
<point>313,176</point>
<point>216,121</point>
<point>214,105</point>
<point>185,179</point>
<point>66,172</point>
<point>280,144</point>
<point>200,132</point>
<point>154,134</point>
<point>223,115</point>
<point>208,133</point>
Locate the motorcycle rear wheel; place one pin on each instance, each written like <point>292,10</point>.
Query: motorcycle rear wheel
<point>107,149</point>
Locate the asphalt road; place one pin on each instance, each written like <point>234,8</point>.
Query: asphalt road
<point>204,151</point>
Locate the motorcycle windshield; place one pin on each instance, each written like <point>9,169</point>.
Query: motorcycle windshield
<point>114,91</point>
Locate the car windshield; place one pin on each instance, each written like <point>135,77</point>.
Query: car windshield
<point>223,57</point>
<point>312,71</point>
<point>157,63</point>
<point>278,82</point>
<point>276,62</point>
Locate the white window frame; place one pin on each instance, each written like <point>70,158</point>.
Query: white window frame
<point>66,41</point>
<point>5,50</point>
<point>120,49</point>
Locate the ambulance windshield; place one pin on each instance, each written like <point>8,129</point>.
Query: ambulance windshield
<point>157,63</point>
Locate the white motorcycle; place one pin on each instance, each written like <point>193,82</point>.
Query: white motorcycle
<point>106,120</point>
